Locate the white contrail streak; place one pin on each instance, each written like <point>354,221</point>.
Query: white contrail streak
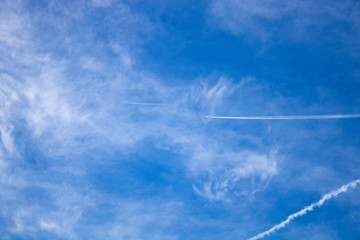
<point>298,117</point>
<point>146,104</point>
<point>306,209</point>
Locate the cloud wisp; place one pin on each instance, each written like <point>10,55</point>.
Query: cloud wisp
<point>102,130</point>
<point>146,104</point>
<point>307,209</point>
<point>296,117</point>
<point>269,19</point>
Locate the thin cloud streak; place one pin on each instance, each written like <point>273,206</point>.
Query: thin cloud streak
<point>306,209</point>
<point>299,117</point>
<point>146,104</point>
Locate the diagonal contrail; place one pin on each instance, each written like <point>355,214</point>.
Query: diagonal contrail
<point>306,209</point>
<point>297,117</point>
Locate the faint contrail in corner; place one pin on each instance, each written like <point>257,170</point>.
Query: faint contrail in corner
<point>299,117</point>
<point>306,209</point>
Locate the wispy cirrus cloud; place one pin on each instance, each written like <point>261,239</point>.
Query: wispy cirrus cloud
<point>93,146</point>
<point>284,20</point>
<point>241,173</point>
<point>62,105</point>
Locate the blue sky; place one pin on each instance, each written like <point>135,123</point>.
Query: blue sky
<point>103,124</point>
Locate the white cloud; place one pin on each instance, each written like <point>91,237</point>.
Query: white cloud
<point>68,112</point>
<point>49,226</point>
<point>301,20</point>
<point>208,93</point>
<point>6,138</point>
<point>102,3</point>
<point>142,220</point>
<point>242,173</point>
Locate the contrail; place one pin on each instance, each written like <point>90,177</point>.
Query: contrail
<point>306,209</point>
<point>298,117</point>
<point>147,104</point>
